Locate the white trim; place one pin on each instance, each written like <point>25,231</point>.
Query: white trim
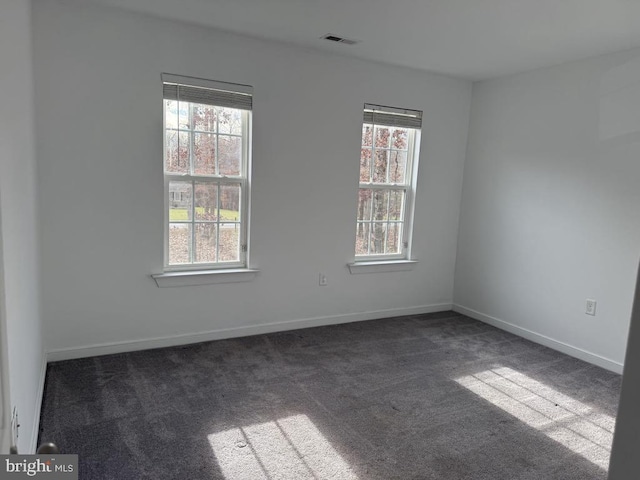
<point>382,266</point>
<point>204,277</point>
<point>234,332</point>
<point>409,216</point>
<point>33,444</point>
<point>563,347</point>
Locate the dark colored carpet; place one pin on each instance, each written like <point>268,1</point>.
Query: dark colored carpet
<point>437,396</point>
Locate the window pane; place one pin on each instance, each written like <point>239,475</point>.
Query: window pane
<point>204,118</point>
<point>364,204</point>
<point>180,201</point>
<point>206,241</point>
<point>230,120</point>
<point>179,243</point>
<point>378,231</point>
<point>367,135</point>
<point>380,166</point>
<point>397,166</point>
<point>382,137</point>
<point>177,156</point>
<point>182,110</point>
<point>362,238</point>
<point>229,242</point>
<point>204,153</point>
<point>365,165</point>
<point>229,155</point>
<point>206,201</point>
<point>230,203</point>
<point>396,203</point>
<point>400,138</point>
<point>394,244</point>
<point>171,114</point>
<point>176,114</point>
<point>380,204</point>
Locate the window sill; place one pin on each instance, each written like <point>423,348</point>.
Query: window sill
<point>381,266</point>
<point>204,277</point>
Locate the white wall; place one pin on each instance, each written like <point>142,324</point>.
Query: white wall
<point>625,462</point>
<point>550,213</point>
<point>19,216</point>
<point>99,122</point>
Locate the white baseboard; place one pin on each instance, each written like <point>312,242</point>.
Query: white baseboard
<point>576,352</point>
<point>33,444</point>
<point>220,334</point>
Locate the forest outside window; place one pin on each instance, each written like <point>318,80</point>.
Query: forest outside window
<point>207,138</point>
<point>388,172</point>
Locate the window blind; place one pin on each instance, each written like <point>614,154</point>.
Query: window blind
<point>392,117</point>
<point>208,92</point>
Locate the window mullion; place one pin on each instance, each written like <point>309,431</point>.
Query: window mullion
<point>204,178</point>
<point>386,234</point>
<point>191,141</point>
<point>405,212</point>
<point>193,255</point>
<point>383,186</point>
<point>167,220</point>
<point>370,223</point>
<point>218,222</point>
<point>195,130</point>
<point>193,221</point>
<point>216,163</point>
<point>373,151</point>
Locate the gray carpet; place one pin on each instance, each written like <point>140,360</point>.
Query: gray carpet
<point>437,396</point>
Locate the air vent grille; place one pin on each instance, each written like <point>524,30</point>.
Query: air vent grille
<point>335,38</point>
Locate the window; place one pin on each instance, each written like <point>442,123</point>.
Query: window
<point>207,132</point>
<point>388,167</point>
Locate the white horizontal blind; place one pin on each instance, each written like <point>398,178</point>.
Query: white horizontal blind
<point>392,117</point>
<point>196,90</point>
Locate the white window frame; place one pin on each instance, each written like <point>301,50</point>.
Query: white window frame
<point>221,180</point>
<point>390,117</point>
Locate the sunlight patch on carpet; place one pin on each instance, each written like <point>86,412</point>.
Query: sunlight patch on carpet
<point>288,448</point>
<point>566,420</point>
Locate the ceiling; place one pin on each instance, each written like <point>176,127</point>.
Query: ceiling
<point>473,39</point>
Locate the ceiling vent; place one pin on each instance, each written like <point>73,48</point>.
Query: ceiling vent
<point>334,38</point>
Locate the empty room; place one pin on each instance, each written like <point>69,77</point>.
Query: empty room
<point>352,240</point>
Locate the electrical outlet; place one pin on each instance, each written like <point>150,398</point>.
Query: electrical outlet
<point>591,307</point>
<point>322,280</point>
